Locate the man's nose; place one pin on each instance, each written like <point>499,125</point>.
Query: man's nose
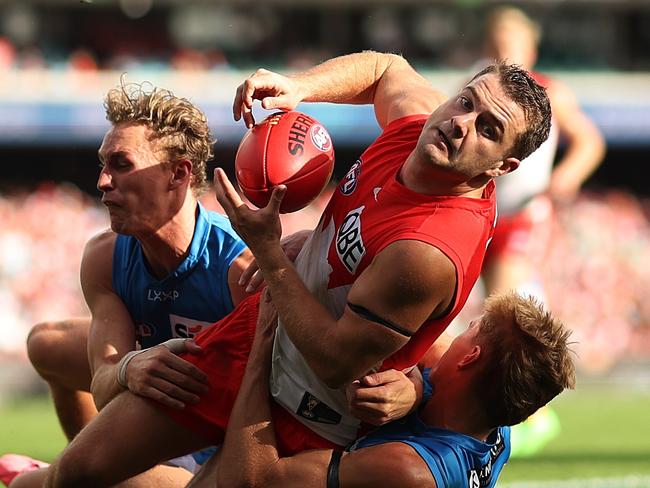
<point>461,124</point>
<point>105,181</point>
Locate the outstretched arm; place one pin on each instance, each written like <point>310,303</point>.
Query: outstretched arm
<point>385,80</point>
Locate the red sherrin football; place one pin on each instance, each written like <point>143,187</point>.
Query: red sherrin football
<point>289,148</point>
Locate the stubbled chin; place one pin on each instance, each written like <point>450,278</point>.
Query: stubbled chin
<point>118,226</point>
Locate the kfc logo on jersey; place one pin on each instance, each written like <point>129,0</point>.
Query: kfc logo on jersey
<point>185,328</point>
<point>320,138</point>
<point>349,244</point>
<point>349,182</point>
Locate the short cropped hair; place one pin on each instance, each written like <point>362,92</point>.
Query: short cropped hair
<point>182,127</point>
<point>532,98</point>
<point>528,358</point>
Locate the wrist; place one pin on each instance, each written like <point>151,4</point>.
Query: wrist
<point>122,365</point>
<point>272,261</point>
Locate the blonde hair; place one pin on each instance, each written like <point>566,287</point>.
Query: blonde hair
<point>529,360</point>
<point>182,127</point>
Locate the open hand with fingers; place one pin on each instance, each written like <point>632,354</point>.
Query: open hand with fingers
<point>260,229</point>
<point>158,373</point>
<point>274,90</point>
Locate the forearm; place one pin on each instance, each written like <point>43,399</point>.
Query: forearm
<point>307,322</point>
<point>104,386</point>
<point>347,79</point>
<point>581,159</point>
<point>249,449</point>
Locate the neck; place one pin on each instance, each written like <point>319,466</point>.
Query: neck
<point>459,412</point>
<point>166,248</point>
<point>423,179</point>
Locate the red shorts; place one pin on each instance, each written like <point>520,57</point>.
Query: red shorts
<point>226,346</point>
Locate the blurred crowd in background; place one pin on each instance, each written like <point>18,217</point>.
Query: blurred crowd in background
<point>594,270</point>
<point>128,34</point>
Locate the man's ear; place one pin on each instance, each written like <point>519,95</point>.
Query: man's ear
<point>471,357</point>
<point>181,172</point>
<point>506,166</point>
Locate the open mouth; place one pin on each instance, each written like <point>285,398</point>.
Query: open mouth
<point>446,142</point>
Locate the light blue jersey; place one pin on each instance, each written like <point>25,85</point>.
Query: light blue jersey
<point>189,299</point>
<point>455,460</point>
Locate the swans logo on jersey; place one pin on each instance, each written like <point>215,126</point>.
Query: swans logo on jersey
<point>349,244</point>
<point>320,138</point>
<point>349,183</point>
<point>313,409</point>
<point>185,328</point>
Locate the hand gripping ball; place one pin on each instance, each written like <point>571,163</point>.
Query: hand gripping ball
<point>288,148</point>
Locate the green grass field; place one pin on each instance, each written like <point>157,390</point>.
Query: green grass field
<point>605,434</point>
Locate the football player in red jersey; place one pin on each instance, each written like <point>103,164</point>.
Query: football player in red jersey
<point>390,264</point>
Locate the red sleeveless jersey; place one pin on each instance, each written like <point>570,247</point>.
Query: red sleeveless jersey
<point>372,209</point>
<point>369,210</point>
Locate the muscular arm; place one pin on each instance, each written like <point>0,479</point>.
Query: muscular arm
<point>407,283</point>
<point>249,456</point>
<point>385,80</point>
<point>585,146</point>
<point>112,333</point>
<point>157,373</point>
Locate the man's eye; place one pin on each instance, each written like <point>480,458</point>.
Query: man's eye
<point>465,103</point>
<point>489,132</point>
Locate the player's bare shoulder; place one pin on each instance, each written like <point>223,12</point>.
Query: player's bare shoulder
<point>400,467</point>
<point>97,260</point>
<point>420,270</point>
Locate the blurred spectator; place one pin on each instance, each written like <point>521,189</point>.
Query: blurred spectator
<point>524,213</point>
<point>82,59</point>
<point>39,264</point>
<point>7,53</point>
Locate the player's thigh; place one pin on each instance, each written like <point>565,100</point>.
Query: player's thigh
<point>160,476</point>
<point>129,436</point>
<point>59,352</point>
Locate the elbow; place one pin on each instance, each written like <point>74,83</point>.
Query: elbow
<point>393,60</point>
<point>72,471</point>
<point>98,394</point>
